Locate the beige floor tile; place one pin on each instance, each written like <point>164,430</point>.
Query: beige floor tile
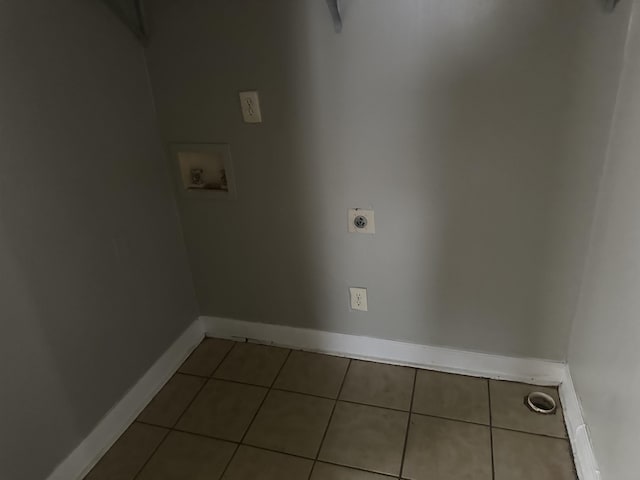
<point>223,410</point>
<point>523,456</point>
<point>326,471</point>
<point>291,423</point>
<point>447,450</point>
<point>206,358</point>
<point>378,384</point>
<point>251,363</point>
<point>365,437</point>
<point>452,396</point>
<point>127,456</point>
<point>312,373</point>
<point>508,409</point>
<point>185,456</point>
<point>167,406</point>
<point>252,463</point>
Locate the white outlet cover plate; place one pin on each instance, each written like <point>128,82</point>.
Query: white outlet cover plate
<point>368,214</point>
<point>358,299</point>
<point>250,106</point>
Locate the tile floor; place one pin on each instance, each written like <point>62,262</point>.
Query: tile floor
<point>240,411</point>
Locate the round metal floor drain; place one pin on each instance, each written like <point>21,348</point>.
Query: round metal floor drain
<point>540,402</point>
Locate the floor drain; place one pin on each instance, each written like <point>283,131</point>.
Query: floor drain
<point>540,402</point>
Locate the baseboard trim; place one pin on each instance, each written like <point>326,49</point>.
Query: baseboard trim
<point>531,370</point>
<point>118,419</point>
<point>583,454</point>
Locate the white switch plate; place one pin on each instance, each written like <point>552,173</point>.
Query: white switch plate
<point>250,106</point>
<point>358,298</point>
<point>368,214</point>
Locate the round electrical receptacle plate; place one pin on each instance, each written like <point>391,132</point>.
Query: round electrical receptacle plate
<point>360,221</point>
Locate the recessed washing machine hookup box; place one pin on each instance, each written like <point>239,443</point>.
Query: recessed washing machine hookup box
<point>204,169</point>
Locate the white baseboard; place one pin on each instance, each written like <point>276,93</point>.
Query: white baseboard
<point>583,454</point>
<point>116,421</point>
<point>536,371</point>
<point>530,370</point>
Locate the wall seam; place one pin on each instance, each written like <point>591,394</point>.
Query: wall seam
<point>605,166</point>
<point>167,170</point>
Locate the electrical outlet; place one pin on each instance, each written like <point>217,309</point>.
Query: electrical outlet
<point>358,298</point>
<point>361,221</point>
<point>250,106</point>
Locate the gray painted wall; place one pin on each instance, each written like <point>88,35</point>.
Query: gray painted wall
<point>94,283</point>
<point>604,357</point>
<point>476,129</point>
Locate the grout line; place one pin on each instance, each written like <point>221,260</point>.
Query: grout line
<point>333,409</point>
<point>233,347</point>
<point>359,469</point>
<point>226,467</point>
<point>335,400</point>
<point>255,414</point>
<point>493,468</point>
<point>304,393</point>
<point>180,416</point>
<point>189,404</point>
<point>193,375</point>
<point>412,413</point>
<point>353,402</point>
<point>530,433</point>
<point>265,397</point>
<point>224,357</point>
<point>201,388</point>
<point>348,401</point>
<point>450,419</point>
<point>205,435</point>
<point>266,449</point>
<point>310,394</point>
<point>377,361</point>
<point>406,433</point>
<point>152,453</point>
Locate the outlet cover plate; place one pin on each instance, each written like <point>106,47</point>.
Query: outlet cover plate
<point>250,106</point>
<point>354,213</point>
<point>358,299</point>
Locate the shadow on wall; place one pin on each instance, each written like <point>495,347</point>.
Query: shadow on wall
<point>460,166</point>
<point>521,137</point>
<point>94,284</point>
<point>453,120</point>
<point>504,103</point>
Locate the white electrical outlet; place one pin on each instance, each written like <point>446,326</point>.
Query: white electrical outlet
<point>361,221</point>
<point>358,298</point>
<point>250,106</point>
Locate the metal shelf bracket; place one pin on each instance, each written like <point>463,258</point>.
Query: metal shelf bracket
<point>131,12</point>
<point>334,9</point>
<point>610,5</point>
